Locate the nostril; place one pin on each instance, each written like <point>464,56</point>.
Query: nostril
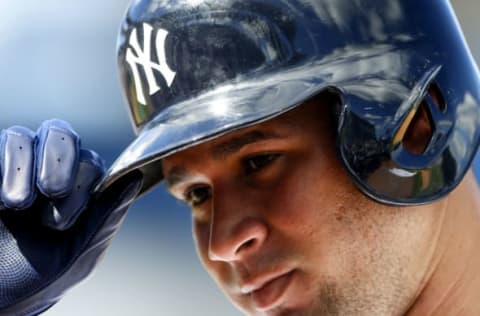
<point>229,242</point>
<point>246,245</point>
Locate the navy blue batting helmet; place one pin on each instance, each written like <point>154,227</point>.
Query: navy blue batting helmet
<point>192,70</point>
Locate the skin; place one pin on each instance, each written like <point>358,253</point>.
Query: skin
<point>274,211</point>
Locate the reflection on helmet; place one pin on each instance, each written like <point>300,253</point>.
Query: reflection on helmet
<point>194,70</point>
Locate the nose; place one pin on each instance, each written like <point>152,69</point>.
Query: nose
<point>235,233</point>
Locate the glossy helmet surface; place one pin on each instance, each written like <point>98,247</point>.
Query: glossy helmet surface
<point>192,70</point>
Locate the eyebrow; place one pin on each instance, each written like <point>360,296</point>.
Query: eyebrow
<point>235,144</point>
<point>221,151</point>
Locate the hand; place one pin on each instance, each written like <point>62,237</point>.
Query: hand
<point>53,230</point>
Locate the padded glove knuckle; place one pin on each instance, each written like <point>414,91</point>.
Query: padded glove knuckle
<point>58,155</point>
<point>17,163</point>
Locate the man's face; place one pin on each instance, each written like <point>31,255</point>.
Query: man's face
<point>283,231</point>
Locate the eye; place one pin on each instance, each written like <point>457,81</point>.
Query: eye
<point>197,196</point>
<point>255,163</point>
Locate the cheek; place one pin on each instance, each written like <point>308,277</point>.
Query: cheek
<point>308,197</point>
<point>302,211</point>
<point>319,203</point>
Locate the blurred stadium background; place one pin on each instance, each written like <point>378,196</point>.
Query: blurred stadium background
<point>57,59</point>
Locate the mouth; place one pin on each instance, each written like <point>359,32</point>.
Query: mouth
<point>267,294</point>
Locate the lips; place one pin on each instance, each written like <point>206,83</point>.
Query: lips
<point>266,295</point>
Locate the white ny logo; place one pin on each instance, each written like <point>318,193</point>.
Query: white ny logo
<point>137,57</point>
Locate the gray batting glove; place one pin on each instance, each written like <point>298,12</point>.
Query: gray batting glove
<point>53,229</point>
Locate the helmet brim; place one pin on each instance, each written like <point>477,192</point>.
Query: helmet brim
<point>210,115</point>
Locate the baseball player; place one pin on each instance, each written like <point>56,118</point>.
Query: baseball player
<point>324,148</point>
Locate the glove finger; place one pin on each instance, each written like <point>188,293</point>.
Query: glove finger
<point>57,158</point>
<point>63,213</point>
<point>17,165</point>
